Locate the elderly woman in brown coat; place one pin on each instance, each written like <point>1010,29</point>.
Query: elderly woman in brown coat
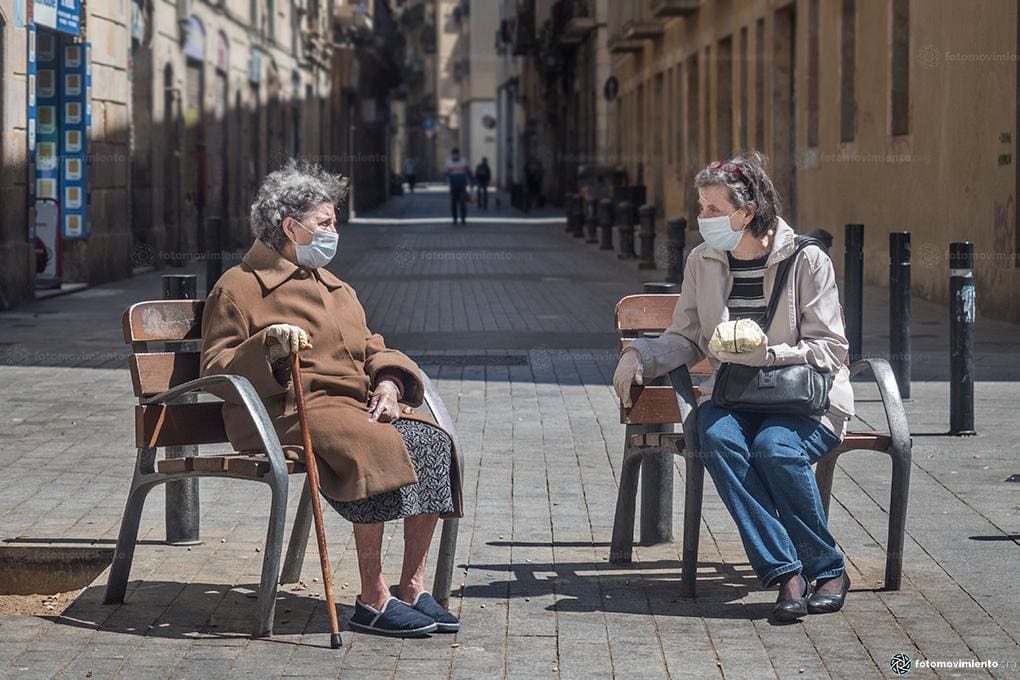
<point>379,460</point>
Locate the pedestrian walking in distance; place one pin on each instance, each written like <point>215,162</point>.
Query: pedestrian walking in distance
<point>483,174</point>
<point>410,176</point>
<point>379,460</point>
<point>457,172</point>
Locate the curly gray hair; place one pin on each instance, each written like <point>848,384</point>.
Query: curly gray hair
<point>750,185</point>
<point>292,191</point>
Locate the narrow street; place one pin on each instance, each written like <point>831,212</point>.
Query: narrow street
<point>514,320</point>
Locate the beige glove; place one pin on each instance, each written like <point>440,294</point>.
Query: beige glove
<point>283,339</point>
<point>743,335</point>
<point>628,372</point>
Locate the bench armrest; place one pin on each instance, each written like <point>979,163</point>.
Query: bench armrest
<point>680,378</point>
<point>889,391</point>
<point>441,414</point>
<point>246,393</point>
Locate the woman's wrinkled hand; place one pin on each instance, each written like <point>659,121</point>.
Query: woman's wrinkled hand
<point>284,339</point>
<point>383,406</point>
<point>628,372</point>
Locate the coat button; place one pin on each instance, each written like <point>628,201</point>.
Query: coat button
<point>408,409</point>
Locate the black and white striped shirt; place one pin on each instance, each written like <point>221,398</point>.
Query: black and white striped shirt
<point>747,298</point>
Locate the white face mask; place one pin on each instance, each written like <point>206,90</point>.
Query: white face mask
<point>718,232</point>
<point>320,251</point>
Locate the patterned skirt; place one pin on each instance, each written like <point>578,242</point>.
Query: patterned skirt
<point>430,450</point>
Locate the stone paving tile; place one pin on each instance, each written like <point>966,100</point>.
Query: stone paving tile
<point>518,339</point>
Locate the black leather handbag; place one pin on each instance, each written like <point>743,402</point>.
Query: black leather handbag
<point>800,389</point>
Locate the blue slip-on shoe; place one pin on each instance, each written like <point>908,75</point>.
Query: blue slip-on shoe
<point>427,605</point>
<point>395,619</point>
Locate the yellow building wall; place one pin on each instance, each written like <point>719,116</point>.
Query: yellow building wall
<point>952,177</point>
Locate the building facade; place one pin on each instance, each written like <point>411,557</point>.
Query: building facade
<point>136,133</point>
<point>896,114</point>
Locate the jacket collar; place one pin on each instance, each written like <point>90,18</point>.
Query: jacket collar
<point>272,269</point>
<point>784,242</point>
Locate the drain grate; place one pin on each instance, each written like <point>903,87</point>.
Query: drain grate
<point>470,360</point>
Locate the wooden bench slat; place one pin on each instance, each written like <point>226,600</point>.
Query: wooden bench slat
<point>182,424</point>
<point>163,321</point>
<point>874,441</point>
<point>645,313</point>
<point>241,465</point>
<point>153,373</point>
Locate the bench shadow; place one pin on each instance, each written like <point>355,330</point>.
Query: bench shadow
<point>640,588</point>
<point>196,611</point>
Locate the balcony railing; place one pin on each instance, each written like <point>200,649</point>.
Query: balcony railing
<point>641,29</point>
<point>618,45</point>
<point>674,8</point>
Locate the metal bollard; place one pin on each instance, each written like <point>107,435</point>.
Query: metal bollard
<point>676,234</point>
<point>571,210</point>
<point>899,309</point>
<point>181,496</point>
<point>657,470</point>
<point>646,214</point>
<point>579,207</point>
<point>853,287</point>
<point>606,224</point>
<point>591,220</point>
<point>213,252</point>
<point>962,313</point>
<point>625,216</point>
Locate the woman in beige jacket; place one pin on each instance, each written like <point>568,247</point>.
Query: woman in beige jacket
<point>760,464</point>
<point>379,460</point>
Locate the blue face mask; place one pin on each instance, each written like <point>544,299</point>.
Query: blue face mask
<point>718,232</point>
<point>320,251</point>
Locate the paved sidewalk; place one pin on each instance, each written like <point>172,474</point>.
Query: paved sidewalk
<point>514,320</point>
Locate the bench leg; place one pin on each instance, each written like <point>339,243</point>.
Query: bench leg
<point>298,544</point>
<point>622,546</point>
<point>824,471</point>
<point>271,557</point>
<point>897,516</point>
<point>693,494</point>
<point>443,581</point>
<point>120,569</point>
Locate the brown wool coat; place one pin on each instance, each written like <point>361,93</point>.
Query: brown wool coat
<point>358,458</point>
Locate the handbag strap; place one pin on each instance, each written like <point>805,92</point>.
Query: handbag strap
<point>783,273</point>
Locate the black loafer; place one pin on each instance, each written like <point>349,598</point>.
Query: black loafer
<point>790,609</point>
<point>820,603</point>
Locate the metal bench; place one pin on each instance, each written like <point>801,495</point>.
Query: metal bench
<point>675,402</point>
<point>162,378</point>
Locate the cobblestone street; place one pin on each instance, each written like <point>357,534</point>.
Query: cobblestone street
<point>513,319</point>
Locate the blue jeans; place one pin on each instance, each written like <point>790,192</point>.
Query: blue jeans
<point>761,466</point>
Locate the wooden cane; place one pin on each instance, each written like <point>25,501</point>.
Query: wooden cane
<point>313,484</point>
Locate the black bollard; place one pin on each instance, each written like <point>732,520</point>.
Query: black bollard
<point>213,251</point>
<point>625,216</point>
<point>962,313</point>
<point>591,220</point>
<point>181,517</point>
<point>899,309</point>
<point>606,224</point>
<point>646,214</point>
<point>571,209</point>
<point>853,287</point>
<point>676,234</point>
<point>657,470</point>
<point>579,207</point>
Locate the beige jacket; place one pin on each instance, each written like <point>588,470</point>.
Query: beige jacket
<point>807,327</point>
